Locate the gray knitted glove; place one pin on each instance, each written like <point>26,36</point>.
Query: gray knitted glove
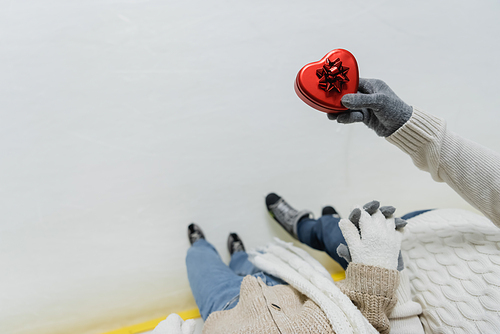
<point>371,208</point>
<point>376,105</point>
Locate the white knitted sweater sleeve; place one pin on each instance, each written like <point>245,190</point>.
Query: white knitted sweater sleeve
<point>404,318</point>
<point>472,170</point>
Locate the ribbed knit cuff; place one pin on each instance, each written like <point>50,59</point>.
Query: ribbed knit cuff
<point>372,289</point>
<point>419,130</point>
<point>372,280</point>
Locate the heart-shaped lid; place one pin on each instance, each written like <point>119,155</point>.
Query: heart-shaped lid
<point>322,84</point>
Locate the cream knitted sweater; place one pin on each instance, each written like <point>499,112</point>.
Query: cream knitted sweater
<point>453,262</point>
<point>472,170</point>
<point>452,257</point>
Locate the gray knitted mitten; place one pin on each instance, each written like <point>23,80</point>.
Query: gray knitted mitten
<point>377,106</point>
<point>371,208</point>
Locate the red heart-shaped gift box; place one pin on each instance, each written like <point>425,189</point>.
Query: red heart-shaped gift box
<point>322,84</point>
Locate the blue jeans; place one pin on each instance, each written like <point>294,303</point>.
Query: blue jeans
<point>324,234</point>
<point>215,286</point>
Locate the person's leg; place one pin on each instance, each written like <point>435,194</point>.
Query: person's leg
<point>243,267</point>
<point>215,287</point>
<point>323,234</point>
<point>240,265</point>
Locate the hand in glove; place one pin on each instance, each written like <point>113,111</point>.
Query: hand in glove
<point>373,237</point>
<point>377,106</point>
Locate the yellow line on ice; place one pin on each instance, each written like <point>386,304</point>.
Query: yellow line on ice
<point>151,324</point>
<point>191,314</point>
<point>339,276</point>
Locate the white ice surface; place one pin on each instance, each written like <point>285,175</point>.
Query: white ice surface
<point>122,121</point>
